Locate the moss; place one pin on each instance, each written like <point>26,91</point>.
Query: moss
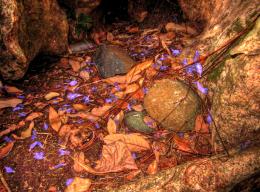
<point>214,75</point>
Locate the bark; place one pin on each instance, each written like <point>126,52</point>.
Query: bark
<point>28,28</point>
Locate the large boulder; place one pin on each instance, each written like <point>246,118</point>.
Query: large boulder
<point>28,28</point>
<point>173,104</point>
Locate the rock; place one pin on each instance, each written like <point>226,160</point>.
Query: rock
<point>161,103</point>
<point>28,28</point>
<point>235,89</point>
<point>135,121</point>
<point>112,60</point>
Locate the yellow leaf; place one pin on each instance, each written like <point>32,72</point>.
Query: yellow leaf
<point>51,95</point>
<point>131,88</point>
<point>100,111</point>
<point>33,116</point>
<point>79,185</point>
<point>54,119</point>
<point>152,168</point>
<point>9,102</point>
<point>135,142</point>
<point>111,126</point>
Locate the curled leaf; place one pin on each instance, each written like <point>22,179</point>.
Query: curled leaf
<point>79,158</point>
<point>111,126</point>
<point>26,133</point>
<point>100,111</point>
<point>33,116</point>
<point>152,168</point>
<point>12,90</point>
<point>54,119</point>
<point>80,107</point>
<point>131,88</point>
<point>4,103</point>
<point>4,151</point>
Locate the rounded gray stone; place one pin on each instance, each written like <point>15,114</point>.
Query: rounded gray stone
<point>172,103</point>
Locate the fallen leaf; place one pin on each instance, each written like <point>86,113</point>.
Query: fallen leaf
<point>64,130</point>
<point>4,151</point>
<point>79,185</point>
<point>12,90</point>
<point>150,122</point>
<point>9,102</point>
<point>200,125</point>
<point>110,37</point>
<point>135,142</point>
<point>54,119</point>
<point>40,105</point>
<point>80,107</point>
<point>51,95</point>
<point>79,158</point>
<point>84,115</point>
<point>130,176</point>
<point>115,157</point>
<point>84,75</point>
<point>33,116</point>
<point>119,117</point>
<point>119,94</point>
<point>131,88</point>
<point>152,168</point>
<point>183,144</point>
<point>116,79</point>
<point>100,111</point>
<point>26,133</point>
<point>133,30</point>
<point>111,126</point>
<point>75,65</point>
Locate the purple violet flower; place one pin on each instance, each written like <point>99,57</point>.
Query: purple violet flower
<point>38,155</point>
<point>145,90</point>
<point>59,165</point>
<point>209,119</point>
<point>18,107</point>
<point>34,135</point>
<point>34,144</point>
<point>63,152</point>
<point>21,97</point>
<point>196,56</point>
<point>86,99</point>
<point>73,83</point>
<point>201,88</point>
<point>7,139</point>
<point>175,52</point>
<point>45,126</point>
<point>97,125</point>
<point>22,114</point>
<point>69,181</point>
<point>134,156</point>
<point>198,68</point>
<point>72,96</point>
<point>9,169</point>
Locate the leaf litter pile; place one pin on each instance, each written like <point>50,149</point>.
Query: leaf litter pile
<point>64,130</point>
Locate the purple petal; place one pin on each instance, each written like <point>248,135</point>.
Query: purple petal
<point>175,52</point>
<point>196,56</point>
<point>22,114</point>
<point>209,119</point>
<point>9,169</point>
<point>73,83</point>
<point>129,107</point>
<point>63,152</point>
<point>7,139</point>
<point>21,97</point>
<point>185,61</point>
<point>34,144</point>
<point>39,155</point>
<point>97,125</point>
<point>201,88</point>
<point>145,90</point>
<point>180,134</point>
<point>69,181</point>
<point>108,100</point>
<point>198,68</point>
<point>45,126</point>
<point>134,155</point>
<point>59,165</point>
<point>18,107</point>
<point>86,99</point>
<point>72,96</point>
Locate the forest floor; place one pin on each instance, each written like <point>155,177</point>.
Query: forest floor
<point>69,121</point>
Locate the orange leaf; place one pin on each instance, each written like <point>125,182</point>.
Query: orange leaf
<point>78,158</point>
<point>9,102</point>
<point>130,176</point>
<point>80,107</point>
<point>152,168</point>
<point>11,89</point>
<point>138,108</point>
<point>135,142</point>
<point>100,111</point>
<point>115,157</point>
<point>79,185</point>
<point>138,69</point>
<point>111,126</point>
<point>200,125</point>
<point>183,144</point>
<point>33,116</point>
<point>131,88</point>
<point>4,151</point>
<point>83,115</point>
<point>54,119</point>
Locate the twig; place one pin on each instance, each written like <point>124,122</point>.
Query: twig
<point>4,182</point>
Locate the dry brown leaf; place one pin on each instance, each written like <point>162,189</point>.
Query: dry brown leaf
<point>152,168</point>
<point>183,144</point>
<point>80,107</point>
<point>110,37</point>
<point>51,95</point>
<point>64,130</point>
<point>75,65</point>
<point>111,126</point>
<point>79,185</point>
<point>9,102</point>
<point>137,69</point>
<point>135,142</point>
<point>54,119</point>
<point>79,158</point>
<point>26,133</point>
<point>130,176</point>
<point>200,125</point>
<point>133,30</point>
<point>40,105</point>
<point>116,79</point>
<point>131,88</point>
<point>83,115</point>
<point>84,75</point>
<point>12,90</point>
<point>119,117</point>
<point>4,151</point>
<point>100,111</point>
<point>115,157</point>
<point>33,116</point>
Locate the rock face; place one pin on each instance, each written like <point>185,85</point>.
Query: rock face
<point>235,88</point>
<point>28,28</point>
<point>112,60</point>
<point>173,104</point>
<point>135,121</point>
